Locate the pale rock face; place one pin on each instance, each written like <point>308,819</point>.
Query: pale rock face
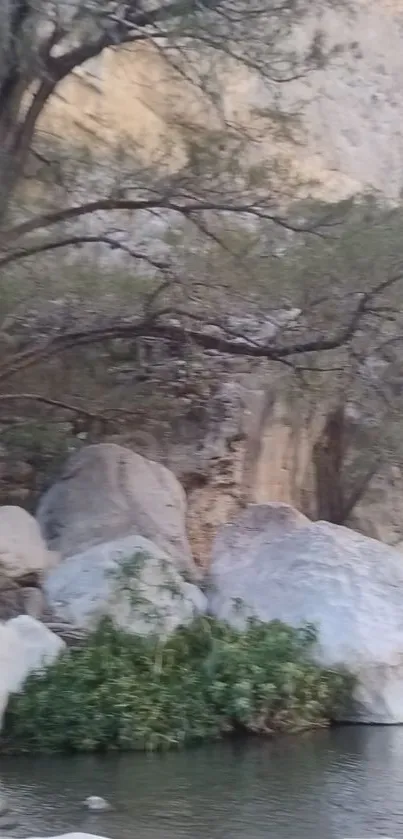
<point>96,803</point>
<point>22,549</point>
<point>24,558</point>
<point>11,665</point>
<point>379,513</point>
<point>349,586</point>
<point>73,836</point>
<point>350,137</point>
<point>107,492</point>
<point>26,646</point>
<point>351,130</point>
<point>129,580</point>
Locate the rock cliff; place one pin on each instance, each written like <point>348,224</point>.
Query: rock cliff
<point>350,134</point>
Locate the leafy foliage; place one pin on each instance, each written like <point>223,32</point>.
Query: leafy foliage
<point>130,692</point>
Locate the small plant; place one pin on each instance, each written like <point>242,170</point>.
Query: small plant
<point>131,580</point>
<point>124,692</point>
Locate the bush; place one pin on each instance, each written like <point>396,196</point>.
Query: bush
<point>127,692</point>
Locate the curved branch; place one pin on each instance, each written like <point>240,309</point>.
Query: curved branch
<point>133,27</point>
<point>234,344</point>
<point>240,346</point>
<point>106,416</point>
<point>53,403</point>
<point>181,205</point>
<point>74,241</point>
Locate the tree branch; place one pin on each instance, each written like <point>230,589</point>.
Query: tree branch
<point>53,403</point>
<point>182,205</point>
<point>71,241</point>
<point>149,327</point>
<point>152,326</point>
<point>105,416</point>
<point>134,26</point>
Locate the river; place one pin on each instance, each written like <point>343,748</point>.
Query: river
<point>342,782</point>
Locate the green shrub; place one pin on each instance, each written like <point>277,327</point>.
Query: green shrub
<point>128,692</point>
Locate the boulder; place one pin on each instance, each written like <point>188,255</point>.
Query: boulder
<point>26,646</point>
<point>129,580</point>
<point>23,552</point>
<point>96,804</point>
<point>348,585</point>
<point>73,836</point>
<point>24,557</point>
<point>258,523</point>
<point>16,599</point>
<point>107,492</point>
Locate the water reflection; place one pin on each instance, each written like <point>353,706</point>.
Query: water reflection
<point>345,782</point>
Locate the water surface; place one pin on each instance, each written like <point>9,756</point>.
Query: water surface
<point>345,782</point>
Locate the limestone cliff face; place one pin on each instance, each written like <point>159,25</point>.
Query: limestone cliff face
<point>250,447</point>
<point>351,132</point>
<point>353,116</point>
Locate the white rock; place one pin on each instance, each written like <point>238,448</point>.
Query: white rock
<point>349,586</point>
<point>96,803</point>
<point>26,646</point>
<point>107,492</point>
<point>22,548</point>
<point>129,580</point>
<point>71,836</point>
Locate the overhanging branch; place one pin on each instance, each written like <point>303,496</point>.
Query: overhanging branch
<point>180,205</point>
<point>77,241</point>
<point>52,403</point>
<point>154,327</point>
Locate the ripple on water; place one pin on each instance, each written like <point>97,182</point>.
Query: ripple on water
<point>344,782</point>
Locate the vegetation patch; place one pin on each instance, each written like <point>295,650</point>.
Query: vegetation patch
<point>124,692</point>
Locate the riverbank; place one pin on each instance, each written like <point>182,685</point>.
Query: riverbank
<point>125,692</point>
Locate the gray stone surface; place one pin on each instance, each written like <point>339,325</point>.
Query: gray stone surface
<point>73,836</point>
<point>23,552</point>
<point>129,580</point>
<point>106,492</point>
<point>349,586</point>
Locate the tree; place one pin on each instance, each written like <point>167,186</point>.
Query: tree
<point>360,392</point>
<point>43,41</point>
<point>230,226</point>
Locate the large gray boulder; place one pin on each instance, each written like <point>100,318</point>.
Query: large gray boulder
<point>106,492</point>
<point>129,580</point>
<point>26,646</point>
<point>348,585</point>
